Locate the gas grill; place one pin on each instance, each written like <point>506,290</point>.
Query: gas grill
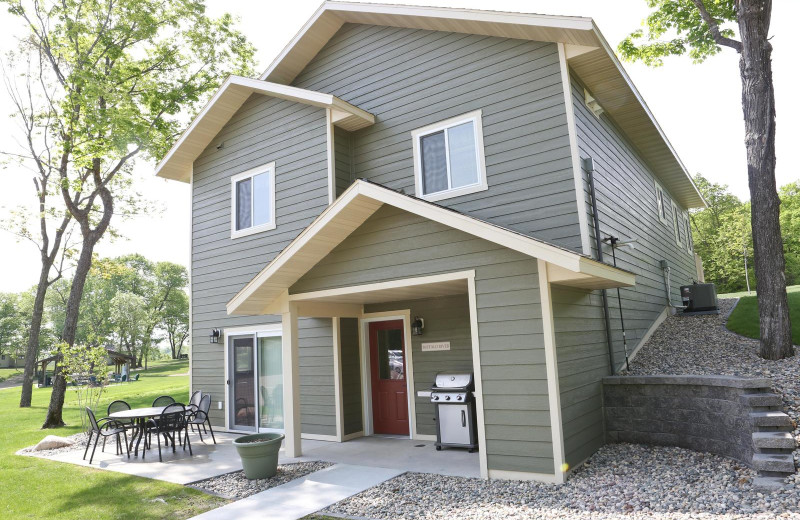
<point>456,422</point>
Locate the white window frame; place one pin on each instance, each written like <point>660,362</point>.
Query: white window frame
<point>661,204</point>
<point>266,168</point>
<point>476,119</point>
<point>677,222</point>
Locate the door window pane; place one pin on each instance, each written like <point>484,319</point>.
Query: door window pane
<point>243,204</point>
<point>270,382</point>
<point>390,354</point>
<point>434,163</point>
<point>463,160</point>
<point>244,410</point>
<point>261,199</point>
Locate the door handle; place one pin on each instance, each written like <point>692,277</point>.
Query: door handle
<point>228,382</point>
<point>463,419</point>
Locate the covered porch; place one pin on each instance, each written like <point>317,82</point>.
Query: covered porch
<point>484,294</point>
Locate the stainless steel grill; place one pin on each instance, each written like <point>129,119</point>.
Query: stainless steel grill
<point>456,422</point>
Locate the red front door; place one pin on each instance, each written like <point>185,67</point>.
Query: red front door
<point>389,394</point>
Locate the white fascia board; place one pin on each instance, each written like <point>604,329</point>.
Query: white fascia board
<point>337,12</point>
<point>610,52</point>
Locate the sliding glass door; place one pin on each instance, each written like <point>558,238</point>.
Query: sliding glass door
<point>255,381</point>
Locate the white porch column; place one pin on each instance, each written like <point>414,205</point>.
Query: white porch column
<point>291,384</point>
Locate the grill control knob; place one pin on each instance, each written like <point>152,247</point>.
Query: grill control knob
<point>435,397</point>
<point>447,398</point>
<point>459,398</point>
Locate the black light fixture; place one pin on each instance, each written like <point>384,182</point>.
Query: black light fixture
<point>417,325</point>
<point>214,336</point>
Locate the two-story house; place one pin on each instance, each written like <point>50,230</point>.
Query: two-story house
<point>444,168</point>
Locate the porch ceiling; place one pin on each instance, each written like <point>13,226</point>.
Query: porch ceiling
<point>353,208</point>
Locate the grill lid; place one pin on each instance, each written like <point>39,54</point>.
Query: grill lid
<point>449,380</point>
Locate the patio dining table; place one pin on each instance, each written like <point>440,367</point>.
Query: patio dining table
<point>139,416</point>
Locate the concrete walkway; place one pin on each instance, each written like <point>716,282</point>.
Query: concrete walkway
<point>305,495</point>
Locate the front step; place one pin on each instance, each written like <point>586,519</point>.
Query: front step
<point>774,440</point>
<point>761,400</point>
<point>771,419</point>
<point>777,462</point>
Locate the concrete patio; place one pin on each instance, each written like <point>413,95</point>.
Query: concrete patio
<point>210,459</point>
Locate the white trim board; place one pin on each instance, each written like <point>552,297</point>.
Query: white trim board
<point>657,323</point>
<point>228,99</point>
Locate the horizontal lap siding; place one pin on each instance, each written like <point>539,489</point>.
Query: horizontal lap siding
<point>446,319</point>
<point>394,244</point>
<point>262,131</point>
<point>582,354</point>
<point>626,202</point>
<point>412,78</point>
<point>342,145</point>
<point>317,394</point>
<point>351,376</point>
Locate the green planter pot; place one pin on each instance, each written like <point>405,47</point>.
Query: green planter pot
<point>259,453</point>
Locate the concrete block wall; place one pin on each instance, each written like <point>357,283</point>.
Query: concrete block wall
<point>730,416</point>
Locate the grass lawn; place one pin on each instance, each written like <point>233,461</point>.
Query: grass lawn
<point>5,373</point>
<point>791,288</point>
<point>36,488</point>
<point>744,318</point>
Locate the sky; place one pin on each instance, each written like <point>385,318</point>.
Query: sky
<point>697,106</point>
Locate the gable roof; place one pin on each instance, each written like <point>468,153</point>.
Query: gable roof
<point>177,164</point>
<point>361,200</point>
<point>588,54</point>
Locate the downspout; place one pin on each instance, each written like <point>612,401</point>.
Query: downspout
<point>588,165</point>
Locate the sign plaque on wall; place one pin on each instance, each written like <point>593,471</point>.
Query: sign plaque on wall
<point>433,347</point>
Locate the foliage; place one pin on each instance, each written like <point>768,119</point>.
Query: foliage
<point>722,235</point>
<point>675,28</point>
<point>12,325</point>
<point>35,488</point>
<point>175,322</point>
<point>84,367</point>
<point>744,318</point>
<point>128,318</point>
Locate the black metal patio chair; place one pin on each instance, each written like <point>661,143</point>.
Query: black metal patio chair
<point>200,417</point>
<point>105,427</point>
<point>171,423</point>
<point>163,400</point>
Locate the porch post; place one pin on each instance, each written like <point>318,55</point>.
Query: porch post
<point>291,383</point>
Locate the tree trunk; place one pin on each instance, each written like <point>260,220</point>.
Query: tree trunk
<point>54,417</point>
<point>32,349</point>
<point>758,104</point>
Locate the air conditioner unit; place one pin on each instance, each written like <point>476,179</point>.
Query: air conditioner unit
<point>699,298</point>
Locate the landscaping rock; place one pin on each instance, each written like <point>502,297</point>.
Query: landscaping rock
<point>52,442</point>
<point>236,486</point>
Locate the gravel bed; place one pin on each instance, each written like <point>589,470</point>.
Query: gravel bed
<point>629,480</point>
<point>703,345</point>
<point>236,486</point>
<point>80,444</point>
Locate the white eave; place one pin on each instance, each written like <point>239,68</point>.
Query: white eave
<point>588,54</point>
<point>361,200</point>
<point>177,164</point>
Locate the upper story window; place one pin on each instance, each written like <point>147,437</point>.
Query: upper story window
<point>448,158</point>
<point>661,204</point>
<point>253,201</point>
<point>688,228</point>
<point>676,224</point>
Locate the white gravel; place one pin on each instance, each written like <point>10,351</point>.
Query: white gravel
<point>627,480</point>
<point>236,486</point>
<point>703,345</point>
<point>80,444</point>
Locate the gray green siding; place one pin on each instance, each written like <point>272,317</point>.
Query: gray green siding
<point>262,131</point>
<point>413,78</point>
<point>317,394</point>
<point>351,376</point>
<point>395,244</point>
<point>446,319</point>
<point>342,150</point>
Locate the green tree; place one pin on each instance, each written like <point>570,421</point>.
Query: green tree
<point>12,324</point>
<point>118,75</point>
<point>790,227</point>
<point>175,322</point>
<point>128,316</point>
<point>701,28</point>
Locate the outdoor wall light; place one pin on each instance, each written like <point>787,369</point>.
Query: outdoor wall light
<point>214,336</point>
<point>417,325</point>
